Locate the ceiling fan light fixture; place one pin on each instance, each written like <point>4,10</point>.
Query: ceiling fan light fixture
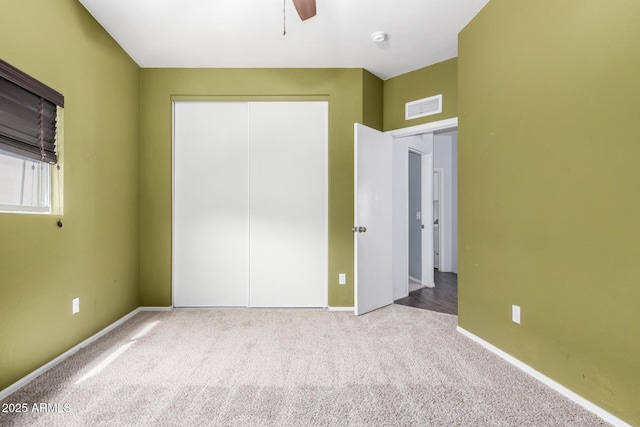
<point>379,36</point>
<point>306,8</point>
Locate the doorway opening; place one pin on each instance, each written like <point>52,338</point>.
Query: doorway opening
<point>430,213</point>
<point>442,179</point>
<point>415,220</point>
<point>381,252</point>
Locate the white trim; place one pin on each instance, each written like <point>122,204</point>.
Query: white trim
<point>425,128</point>
<point>340,308</point>
<point>589,406</point>
<point>442,258</point>
<point>173,200</point>
<point>404,218</point>
<point>326,204</point>
<point>25,209</point>
<point>148,308</point>
<point>44,368</point>
<point>415,280</point>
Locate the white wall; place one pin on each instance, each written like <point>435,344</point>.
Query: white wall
<point>445,148</point>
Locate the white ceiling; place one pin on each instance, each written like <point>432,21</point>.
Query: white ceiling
<point>249,33</point>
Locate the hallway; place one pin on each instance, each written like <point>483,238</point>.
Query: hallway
<point>443,298</point>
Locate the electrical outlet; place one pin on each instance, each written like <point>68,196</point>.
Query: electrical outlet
<point>75,305</point>
<point>342,279</point>
<point>515,313</point>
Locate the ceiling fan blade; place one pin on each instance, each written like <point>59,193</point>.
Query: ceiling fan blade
<point>306,8</point>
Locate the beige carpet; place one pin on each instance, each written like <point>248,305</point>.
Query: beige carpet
<point>398,366</point>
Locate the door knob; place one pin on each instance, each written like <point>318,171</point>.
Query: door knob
<point>359,229</point>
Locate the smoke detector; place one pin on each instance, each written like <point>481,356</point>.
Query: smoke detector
<point>379,36</point>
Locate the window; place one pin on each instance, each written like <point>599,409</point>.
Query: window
<point>24,184</point>
<point>28,136</point>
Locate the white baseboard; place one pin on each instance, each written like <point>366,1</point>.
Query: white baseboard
<point>418,281</point>
<point>169,308</point>
<point>341,308</point>
<point>44,368</point>
<point>589,406</point>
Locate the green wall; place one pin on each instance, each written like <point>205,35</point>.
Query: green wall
<point>95,255</point>
<point>344,88</point>
<point>441,78</point>
<point>549,190</point>
<point>372,100</point>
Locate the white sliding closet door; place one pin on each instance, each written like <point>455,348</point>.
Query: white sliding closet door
<point>250,204</point>
<point>288,204</point>
<point>211,211</point>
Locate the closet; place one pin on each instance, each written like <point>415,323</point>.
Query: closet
<point>250,204</point>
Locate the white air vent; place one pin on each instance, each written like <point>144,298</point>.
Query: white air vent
<point>423,107</point>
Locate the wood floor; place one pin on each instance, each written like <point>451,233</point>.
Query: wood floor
<point>443,298</point>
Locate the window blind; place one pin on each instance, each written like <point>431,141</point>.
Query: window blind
<point>28,112</point>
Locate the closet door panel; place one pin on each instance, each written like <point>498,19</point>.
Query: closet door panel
<point>288,204</point>
<point>211,241</point>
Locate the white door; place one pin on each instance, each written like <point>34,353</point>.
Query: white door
<point>211,210</point>
<point>427,216</point>
<point>373,220</point>
<point>288,203</point>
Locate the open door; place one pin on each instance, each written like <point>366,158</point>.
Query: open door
<point>373,220</point>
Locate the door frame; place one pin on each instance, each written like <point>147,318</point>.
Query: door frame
<point>402,290</point>
<point>442,219</point>
<point>426,155</point>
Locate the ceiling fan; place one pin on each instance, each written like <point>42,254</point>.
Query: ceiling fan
<point>306,8</point>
